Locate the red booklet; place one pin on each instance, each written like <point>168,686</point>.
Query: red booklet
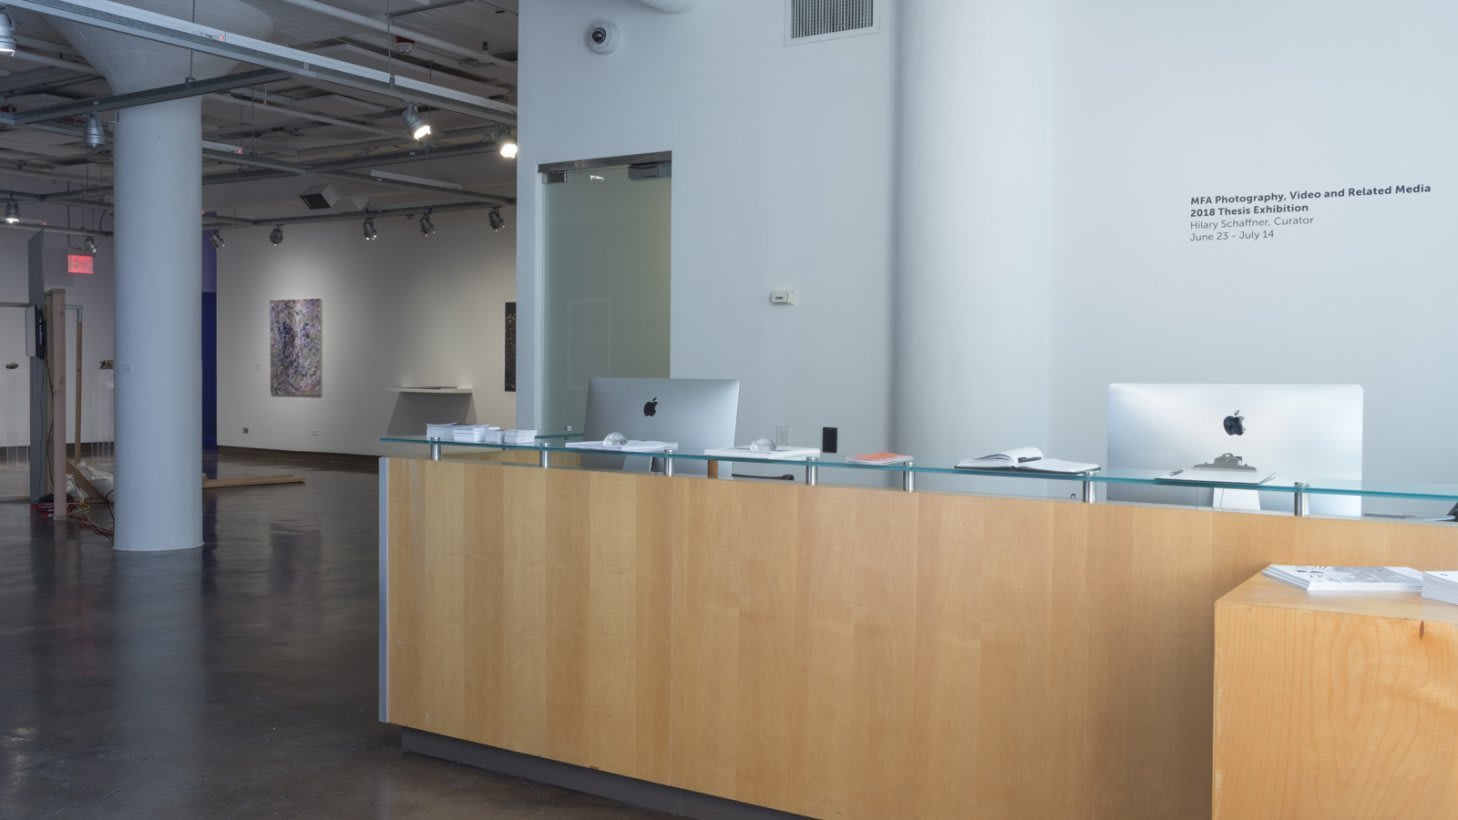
<point>879,458</point>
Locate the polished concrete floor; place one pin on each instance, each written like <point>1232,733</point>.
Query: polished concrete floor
<point>236,680</point>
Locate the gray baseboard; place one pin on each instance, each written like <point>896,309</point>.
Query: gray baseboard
<point>631,791</point>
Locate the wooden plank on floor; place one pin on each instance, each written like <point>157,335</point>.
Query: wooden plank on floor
<point>250,481</point>
<point>83,483</point>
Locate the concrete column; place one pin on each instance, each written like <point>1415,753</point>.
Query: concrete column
<point>974,226</point>
<point>158,193</point>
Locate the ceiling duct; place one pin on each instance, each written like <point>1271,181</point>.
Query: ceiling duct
<point>319,198</point>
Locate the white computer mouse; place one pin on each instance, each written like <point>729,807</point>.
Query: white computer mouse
<point>615,439</point>
<point>762,445</point>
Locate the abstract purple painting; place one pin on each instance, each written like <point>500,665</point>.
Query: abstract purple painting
<point>296,347</point>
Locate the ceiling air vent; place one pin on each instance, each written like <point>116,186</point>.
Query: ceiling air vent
<point>812,20</point>
<point>319,197</point>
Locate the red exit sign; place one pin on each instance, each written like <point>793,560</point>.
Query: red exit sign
<point>82,263</point>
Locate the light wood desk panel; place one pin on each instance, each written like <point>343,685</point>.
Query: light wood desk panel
<point>832,651</point>
<point>1334,707</point>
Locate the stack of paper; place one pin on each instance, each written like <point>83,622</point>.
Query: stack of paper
<point>1347,579</point>
<point>1441,586</point>
<point>442,432</point>
<point>472,433</point>
<point>518,436</point>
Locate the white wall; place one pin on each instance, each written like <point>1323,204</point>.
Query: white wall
<point>402,310</point>
<point>781,179</point>
<point>96,296</point>
<point>783,160</point>
<point>1157,103</point>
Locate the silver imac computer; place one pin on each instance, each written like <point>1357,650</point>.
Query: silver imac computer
<point>696,413</point>
<point>1297,431</point>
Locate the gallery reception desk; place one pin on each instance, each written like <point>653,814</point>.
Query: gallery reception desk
<point>829,651</point>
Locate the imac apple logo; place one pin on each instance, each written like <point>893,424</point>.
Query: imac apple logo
<point>651,408</point>
<point>1235,424</point>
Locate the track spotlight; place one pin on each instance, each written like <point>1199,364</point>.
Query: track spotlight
<point>497,221</point>
<point>217,240</point>
<point>426,226</point>
<point>95,134</point>
<point>509,149</point>
<point>276,235</point>
<point>12,211</point>
<point>89,245</point>
<point>7,34</point>
<point>369,229</point>
<point>419,127</point>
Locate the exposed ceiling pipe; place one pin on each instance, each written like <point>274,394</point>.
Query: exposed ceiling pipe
<point>480,83</point>
<point>307,115</point>
<point>22,55</point>
<point>320,168</point>
<point>53,229</point>
<point>436,140</point>
<point>119,17</point>
<point>39,46</point>
<point>429,6</point>
<point>425,40</point>
<point>153,95</point>
<point>344,176</point>
<point>439,208</point>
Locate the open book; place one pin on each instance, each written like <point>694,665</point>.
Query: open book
<point>1029,459</point>
<point>629,446</point>
<point>778,454</point>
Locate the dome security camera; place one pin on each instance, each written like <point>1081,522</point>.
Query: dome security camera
<point>603,37</point>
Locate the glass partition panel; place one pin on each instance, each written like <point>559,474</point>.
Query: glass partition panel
<point>605,307</point>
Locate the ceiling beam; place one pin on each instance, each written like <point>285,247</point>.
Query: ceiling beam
<point>399,134</point>
<point>339,216</point>
<point>275,169</point>
<point>161,28</point>
<point>389,27</point>
<point>432,6</point>
<point>166,93</point>
<point>347,176</point>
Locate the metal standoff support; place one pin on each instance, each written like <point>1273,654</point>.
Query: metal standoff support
<point>668,464</point>
<point>1300,501</point>
<point>1087,491</point>
<point>545,460</point>
<point>908,478</point>
<point>435,449</point>
<point>811,475</point>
